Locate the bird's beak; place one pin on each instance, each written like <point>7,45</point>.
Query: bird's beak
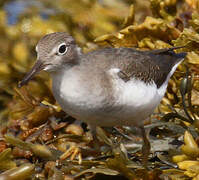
<point>35,69</point>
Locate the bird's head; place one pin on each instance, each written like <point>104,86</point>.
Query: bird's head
<point>54,51</point>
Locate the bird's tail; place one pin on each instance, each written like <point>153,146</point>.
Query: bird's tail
<point>171,52</point>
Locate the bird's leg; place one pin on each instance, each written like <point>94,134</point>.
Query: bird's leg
<point>95,141</point>
<point>145,147</point>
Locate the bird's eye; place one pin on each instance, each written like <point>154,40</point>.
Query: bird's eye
<point>62,49</point>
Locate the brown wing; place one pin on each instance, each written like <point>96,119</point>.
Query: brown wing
<point>147,66</point>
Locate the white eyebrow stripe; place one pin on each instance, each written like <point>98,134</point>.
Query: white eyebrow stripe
<point>36,48</point>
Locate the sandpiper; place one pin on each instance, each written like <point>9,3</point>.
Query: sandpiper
<point>105,87</point>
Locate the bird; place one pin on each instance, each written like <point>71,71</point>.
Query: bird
<point>106,87</point>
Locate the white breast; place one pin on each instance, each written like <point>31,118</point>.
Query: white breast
<point>133,101</point>
<point>138,98</point>
<point>75,96</point>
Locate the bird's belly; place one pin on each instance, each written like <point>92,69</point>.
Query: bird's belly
<point>122,112</point>
<point>132,102</point>
<point>80,100</point>
<point>87,108</point>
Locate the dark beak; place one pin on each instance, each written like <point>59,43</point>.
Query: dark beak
<point>35,69</point>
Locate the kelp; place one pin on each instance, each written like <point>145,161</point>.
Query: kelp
<point>40,141</point>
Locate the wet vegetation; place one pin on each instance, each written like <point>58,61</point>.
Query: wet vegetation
<point>39,141</point>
